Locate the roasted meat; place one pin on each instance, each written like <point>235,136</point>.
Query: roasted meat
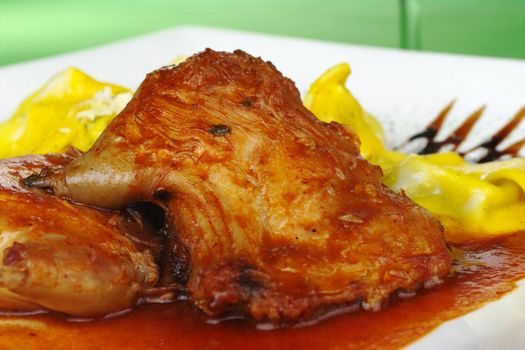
<point>270,212</point>
<point>59,256</point>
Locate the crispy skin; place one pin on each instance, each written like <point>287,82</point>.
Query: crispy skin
<point>63,257</point>
<point>271,211</point>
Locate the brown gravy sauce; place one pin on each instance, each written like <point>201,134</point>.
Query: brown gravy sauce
<point>484,271</point>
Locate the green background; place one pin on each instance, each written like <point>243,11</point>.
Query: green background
<point>37,28</point>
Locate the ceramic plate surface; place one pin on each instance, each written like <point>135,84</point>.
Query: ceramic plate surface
<point>404,90</point>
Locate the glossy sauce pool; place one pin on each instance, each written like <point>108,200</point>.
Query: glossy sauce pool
<point>484,271</point>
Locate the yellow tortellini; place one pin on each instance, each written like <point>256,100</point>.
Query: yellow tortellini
<point>71,109</point>
<point>471,200</point>
<point>330,101</point>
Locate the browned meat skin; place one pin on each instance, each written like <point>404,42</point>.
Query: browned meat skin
<point>59,256</point>
<point>272,211</point>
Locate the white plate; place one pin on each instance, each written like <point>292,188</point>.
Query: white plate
<point>404,90</point>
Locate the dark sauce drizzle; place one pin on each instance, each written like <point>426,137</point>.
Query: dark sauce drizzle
<point>484,152</point>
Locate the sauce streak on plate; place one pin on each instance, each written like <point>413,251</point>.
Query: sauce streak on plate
<point>484,271</point>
